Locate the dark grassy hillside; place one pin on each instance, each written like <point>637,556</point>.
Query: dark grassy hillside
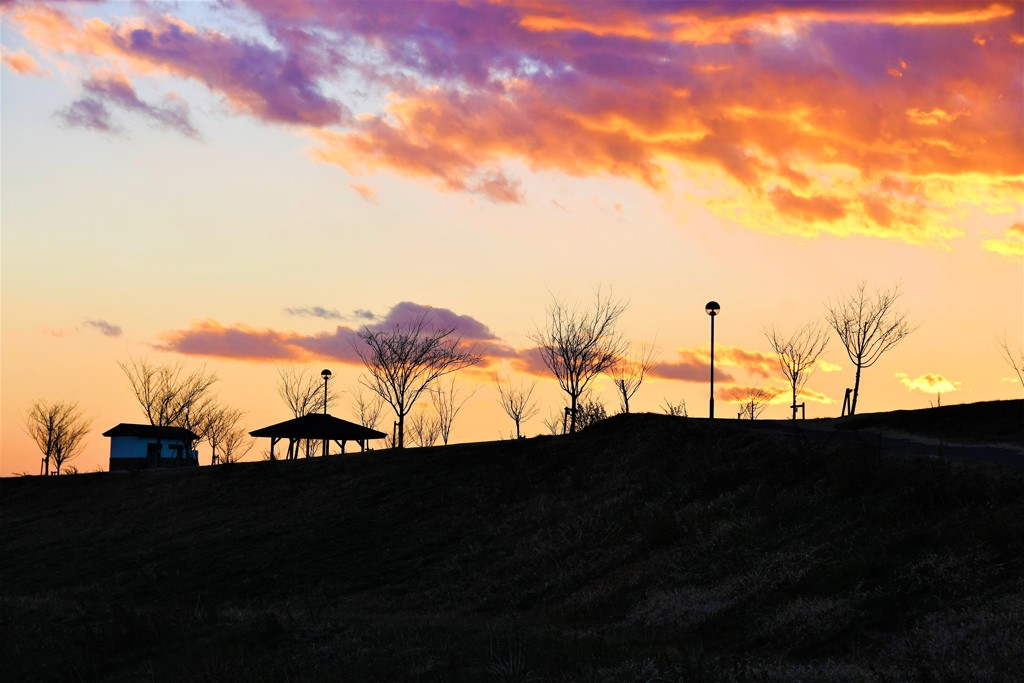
<point>645,548</point>
<point>988,422</point>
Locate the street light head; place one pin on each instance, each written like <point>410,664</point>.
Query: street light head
<point>712,308</point>
<point>325,374</point>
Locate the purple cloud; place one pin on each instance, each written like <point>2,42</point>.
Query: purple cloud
<point>272,84</point>
<point>210,338</point>
<point>88,113</point>
<point>91,111</point>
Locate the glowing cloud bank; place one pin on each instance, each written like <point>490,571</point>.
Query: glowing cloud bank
<point>881,119</point>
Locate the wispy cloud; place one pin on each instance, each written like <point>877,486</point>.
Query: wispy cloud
<point>365,191</point>
<point>314,312</point>
<point>105,328</point>
<point>105,89</point>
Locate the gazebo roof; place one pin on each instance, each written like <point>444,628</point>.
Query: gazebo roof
<point>318,426</point>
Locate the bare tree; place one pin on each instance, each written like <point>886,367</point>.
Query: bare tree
<point>752,400</point>
<point>302,390</point>
<point>629,373</point>
<point>579,344</point>
<point>515,401</point>
<point>554,423</point>
<point>405,359</point>
<point>169,395</point>
<point>447,404</point>
<point>235,445</point>
<point>59,430</point>
<point>367,410</point>
<point>1016,360</point>
<point>675,409</point>
<point>222,424</point>
<point>868,325</point>
<point>423,429</point>
<point>591,411</point>
<point>798,354</point>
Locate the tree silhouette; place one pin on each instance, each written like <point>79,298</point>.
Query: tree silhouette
<point>579,344</point>
<point>629,373</point>
<point>798,355</point>
<point>868,325</point>
<point>302,390</point>
<point>515,401</point>
<point>752,400</point>
<point>674,409</point>
<point>367,411</point>
<point>235,444</point>
<point>221,430</point>
<point>591,411</point>
<point>1016,360</point>
<point>423,429</point>
<point>59,430</point>
<point>170,396</point>
<point>447,405</point>
<point>405,359</point>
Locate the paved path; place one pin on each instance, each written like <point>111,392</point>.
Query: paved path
<point>889,441</point>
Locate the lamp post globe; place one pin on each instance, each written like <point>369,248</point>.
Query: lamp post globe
<point>326,374</point>
<point>712,308</point>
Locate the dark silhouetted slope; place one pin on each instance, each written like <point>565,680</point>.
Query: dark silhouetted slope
<point>646,546</point>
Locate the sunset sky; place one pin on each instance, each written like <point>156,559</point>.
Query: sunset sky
<point>244,185</point>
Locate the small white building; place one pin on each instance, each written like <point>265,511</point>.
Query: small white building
<point>139,447</point>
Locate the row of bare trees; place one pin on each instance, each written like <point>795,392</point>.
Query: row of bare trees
<point>408,360</point>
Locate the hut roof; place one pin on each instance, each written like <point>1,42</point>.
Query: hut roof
<point>152,432</point>
<point>318,426</point>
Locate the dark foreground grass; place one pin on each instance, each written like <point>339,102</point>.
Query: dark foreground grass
<point>646,548</point>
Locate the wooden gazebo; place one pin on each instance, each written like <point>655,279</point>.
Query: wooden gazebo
<point>316,427</point>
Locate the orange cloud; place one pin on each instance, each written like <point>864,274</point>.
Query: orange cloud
<point>240,342</point>
<point>365,191</point>
<point>813,208</point>
<point>21,62</point>
<point>693,364</point>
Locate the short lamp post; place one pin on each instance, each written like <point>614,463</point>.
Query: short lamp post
<point>326,374</point>
<point>712,309</point>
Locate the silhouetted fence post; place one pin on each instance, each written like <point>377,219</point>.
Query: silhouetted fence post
<point>846,403</point>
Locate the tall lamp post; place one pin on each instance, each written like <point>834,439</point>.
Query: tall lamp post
<point>326,374</point>
<point>712,309</point>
